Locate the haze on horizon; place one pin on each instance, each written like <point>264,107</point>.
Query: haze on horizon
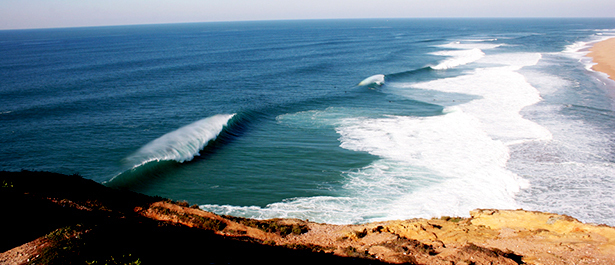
<point>24,14</point>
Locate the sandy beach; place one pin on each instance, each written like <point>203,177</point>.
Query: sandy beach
<point>603,54</point>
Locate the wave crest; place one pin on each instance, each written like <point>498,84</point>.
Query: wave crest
<point>374,80</point>
<point>458,57</point>
<point>182,144</point>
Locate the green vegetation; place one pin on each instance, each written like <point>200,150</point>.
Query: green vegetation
<point>64,242</point>
<point>271,226</point>
<point>451,219</point>
<point>355,253</point>
<point>6,184</point>
<point>310,247</point>
<point>69,244</point>
<point>494,252</point>
<point>197,220</point>
<point>124,259</point>
<point>183,203</point>
<point>405,245</point>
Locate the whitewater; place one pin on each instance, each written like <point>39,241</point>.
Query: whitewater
<point>463,152</point>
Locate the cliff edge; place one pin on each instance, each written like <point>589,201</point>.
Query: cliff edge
<point>51,218</point>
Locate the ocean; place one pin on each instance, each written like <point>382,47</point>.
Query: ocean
<point>334,121</point>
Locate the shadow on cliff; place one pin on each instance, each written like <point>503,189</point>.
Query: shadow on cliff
<point>99,224</point>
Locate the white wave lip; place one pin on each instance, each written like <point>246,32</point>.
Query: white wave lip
<point>373,80</point>
<point>182,144</point>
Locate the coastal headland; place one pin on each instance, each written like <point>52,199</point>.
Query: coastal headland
<point>603,54</point>
<point>51,218</point>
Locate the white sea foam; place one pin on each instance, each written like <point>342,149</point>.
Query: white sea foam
<point>580,49</point>
<point>428,166</point>
<point>464,151</point>
<point>504,93</point>
<point>571,174</point>
<point>439,165</point>
<point>462,53</point>
<point>458,57</point>
<point>425,169</point>
<point>182,144</point>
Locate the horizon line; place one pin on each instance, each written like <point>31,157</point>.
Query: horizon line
<point>296,20</point>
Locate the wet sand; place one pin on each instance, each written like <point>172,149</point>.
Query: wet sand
<point>603,54</point>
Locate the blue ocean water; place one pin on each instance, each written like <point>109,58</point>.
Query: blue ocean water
<point>267,119</point>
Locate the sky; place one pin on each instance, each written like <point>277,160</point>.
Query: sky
<point>22,14</point>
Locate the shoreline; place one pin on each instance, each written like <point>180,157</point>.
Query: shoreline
<point>603,55</point>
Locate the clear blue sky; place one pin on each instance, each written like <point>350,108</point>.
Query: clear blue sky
<point>18,14</point>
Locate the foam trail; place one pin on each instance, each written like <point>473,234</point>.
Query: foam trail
<point>458,57</point>
<point>463,53</point>
<point>182,144</point>
<point>504,93</point>
<point>373,80</point>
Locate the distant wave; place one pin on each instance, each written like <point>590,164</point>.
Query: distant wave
<point>182,144</point>
<point>463,52</point>
<point>471,44</point>
<point>374,80</point>
<point>429,40</point>
<point>458,57</point>
<point>408,74</point>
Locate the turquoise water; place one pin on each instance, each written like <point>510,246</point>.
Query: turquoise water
<point>266,119</point>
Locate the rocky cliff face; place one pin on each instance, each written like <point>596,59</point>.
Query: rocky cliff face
<point>65,219</point>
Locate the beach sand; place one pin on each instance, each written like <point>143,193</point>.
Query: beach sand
<point>603,54</point>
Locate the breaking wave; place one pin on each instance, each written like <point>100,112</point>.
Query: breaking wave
<point>458,57</point>
<point>182,144</point>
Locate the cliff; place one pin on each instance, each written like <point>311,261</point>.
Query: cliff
<point>57,219</point>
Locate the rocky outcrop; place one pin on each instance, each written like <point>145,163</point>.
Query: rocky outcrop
<point>153,230</point>
<point>488,237</point>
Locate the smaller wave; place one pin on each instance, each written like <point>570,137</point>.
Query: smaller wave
<point>583,47</point>
<point>410,76</point>
<point>468,45</point>
<point>480,40</point>
<point>182,144</point>
<point>578,46</point>
<point>458,57</point>
<point>374,80</point>
<point>429,40</point>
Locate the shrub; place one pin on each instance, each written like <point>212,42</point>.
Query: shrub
<point>271,226</point>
